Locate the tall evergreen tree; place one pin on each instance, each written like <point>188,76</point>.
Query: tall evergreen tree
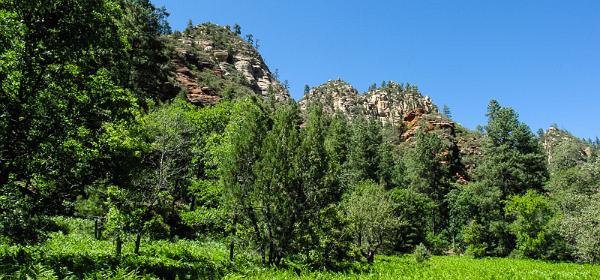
<point>513,158</point>
<point>512,163</point>
<point>279,194</point>
<point>238,156</point>
<point>237,29</point>
<point>446,111</point>
<point>364,142</point>
<point>427,172</point>
<point>306,89</point>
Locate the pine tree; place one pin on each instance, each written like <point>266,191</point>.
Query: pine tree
<point>279,193</point>
<point>512,163</point>
<point>238,156</point>
<point>426,173</point>
<point>446,111</point>
<point>336,146</point>
<point>319,233</point>
<point>364,142</point>
<point>510,141</point>
<point>250,39</point>
<point>189,27</point>
<point>237,29</point>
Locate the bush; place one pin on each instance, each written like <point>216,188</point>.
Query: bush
<point>421,253</point>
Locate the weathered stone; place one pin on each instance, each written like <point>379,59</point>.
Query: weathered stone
<point>228,54</point>
<point>389,105</point>
<point>196,93</point>
<point>221,56</point>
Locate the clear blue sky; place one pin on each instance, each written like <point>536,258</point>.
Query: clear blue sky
<point>540,57</point>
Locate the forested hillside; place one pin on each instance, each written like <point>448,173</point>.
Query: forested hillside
<point>128,151</point>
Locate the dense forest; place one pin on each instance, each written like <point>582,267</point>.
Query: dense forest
<point>126,151</point>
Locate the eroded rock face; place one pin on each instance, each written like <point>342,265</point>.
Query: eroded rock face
<point>334,96</point>
<point>394,101</point>
<point>389,104</point>
<point>228,56</point>
<point>417,120</point>
<point>195,93</point>
<point>553,137</point>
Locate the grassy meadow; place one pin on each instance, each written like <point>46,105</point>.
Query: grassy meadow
<point>75,254</point>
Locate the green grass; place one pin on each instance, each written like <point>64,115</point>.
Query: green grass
<point>404,267</point>
<point>75,254</point>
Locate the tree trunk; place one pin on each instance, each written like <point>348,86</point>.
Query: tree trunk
<point>96,229</point>
<point>234,232</point>
<point>262,255</point>
<point>257,233</point>
<point>119,246</point>
<point>138,239</point>
<point>370,256</point>
<point>193,204</point>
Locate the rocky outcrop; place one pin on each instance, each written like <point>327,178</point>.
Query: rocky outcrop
<point>334,96</point>
<point>553,137</point>
<point>417,120</point>
<point>394,101</point>
<point>229,57</point>
<point>195,93</point>
<point>389,104</point>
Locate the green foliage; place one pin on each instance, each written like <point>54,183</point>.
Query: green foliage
<point>512,163</point>
<point>90,128</point>
<point>421,253</point>
<point>237,29</point>
<point>446,111</point>
<point>427,173</point>
<point>513,160</point>
<point>580,229</point>
<point>236,156</point>
<point>405,267</point>
<point>370,212</point>
<point>475,239</point>
<point>474,213</point>
<point>566,154</point>
<point>415,209</point>
<point>363,150</point>
<point>63,82</point>
<point>278,191</point>
<point>532,224</point>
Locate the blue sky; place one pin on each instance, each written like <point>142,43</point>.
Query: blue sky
<point>540,57</point>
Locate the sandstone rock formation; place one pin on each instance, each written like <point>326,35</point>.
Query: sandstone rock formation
<point>209,46</point>
<point>389,104</point>
<point>195,93</point>
<point>553,137</point>
<point>334,96</point>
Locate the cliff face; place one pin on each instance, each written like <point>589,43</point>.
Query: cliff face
<point>556,141</point>
<point>211,62</point>
<point>394,102</point>
<point>334,96</point>
<point>388,104</point>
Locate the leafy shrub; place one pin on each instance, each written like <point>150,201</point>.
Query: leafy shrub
<point>438,243</point>
<point>421,253</point>
<point>474,238</point>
